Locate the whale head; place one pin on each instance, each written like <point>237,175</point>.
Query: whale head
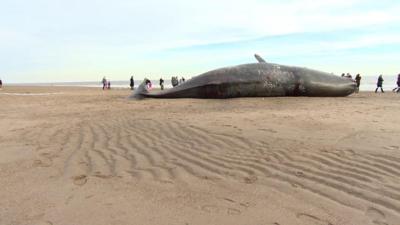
<point>317,83</point>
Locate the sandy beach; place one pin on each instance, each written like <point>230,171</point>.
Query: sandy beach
<point>87,156</point>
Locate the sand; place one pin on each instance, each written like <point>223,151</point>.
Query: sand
<point>87,156</point>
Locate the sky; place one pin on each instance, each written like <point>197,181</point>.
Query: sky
<point>71,40</point>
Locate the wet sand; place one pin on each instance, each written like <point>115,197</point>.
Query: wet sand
<point>87,156</point>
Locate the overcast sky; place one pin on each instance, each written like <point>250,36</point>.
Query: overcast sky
<point>60,40</point>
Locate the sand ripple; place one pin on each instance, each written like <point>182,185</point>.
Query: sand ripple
<point>171,150</point>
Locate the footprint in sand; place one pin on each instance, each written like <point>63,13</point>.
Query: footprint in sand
<point>350,152</point>
<point>296,185</point>
<point>218,209</point>
<point>377,217</point>
<point>311,219</point>
<point>210,208</point>
<point>299,174</point>
<point>102,176</point>
<point>269,130</point>
<point>232,211</point>
<point>250,179</point>
<point>228,200</point>
<point>43,162</point>
<point>80,180</point>
<point>392,147</point>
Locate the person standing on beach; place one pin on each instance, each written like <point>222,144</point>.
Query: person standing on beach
<point>104,81</point>
<point>148,84</point>
<point>174,81</point>
<point>397,89</point>
<point>358,82</point>
<point>1,83</point>
<point>132,83</point>
<point>109,85</point>
<point>379,84</point>
<point>162,84</point>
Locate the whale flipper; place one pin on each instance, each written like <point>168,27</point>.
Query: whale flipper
<point>259,58</point>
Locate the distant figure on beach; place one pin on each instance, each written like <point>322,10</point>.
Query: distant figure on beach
<point>348,75</point>
<point>148,84</point>
<point>109,85</point>
<point>183,80</point>
<point>343,74</point>
<point>104,81</point>
<point>162,84</point>
<point>132,83</point>
<point>358,82</point>
<point>174,81</point>
<point>396,89</point>
<point>1,83</point>
<point>379,84</point>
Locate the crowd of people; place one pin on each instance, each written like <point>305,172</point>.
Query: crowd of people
<point>175,81</point>
<point>106,83</point>
<point>379,82</point>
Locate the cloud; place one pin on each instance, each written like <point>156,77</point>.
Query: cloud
<point>52,36</point>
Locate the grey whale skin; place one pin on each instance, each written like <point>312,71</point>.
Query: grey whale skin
<point>256,80</point>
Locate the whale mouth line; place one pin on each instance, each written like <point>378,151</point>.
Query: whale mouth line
<point>331,89</point>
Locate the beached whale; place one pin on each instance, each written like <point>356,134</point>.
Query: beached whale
<point>256,80</point>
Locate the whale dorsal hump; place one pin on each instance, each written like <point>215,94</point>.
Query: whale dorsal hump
<point>259,58</point>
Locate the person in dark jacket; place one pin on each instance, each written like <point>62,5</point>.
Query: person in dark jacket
<point>1,83</point>
<point>104,81</point>
<point>132,83</point>
<point>379,84</point>
<point>162,84</point>
<point>174,81</point>
<point>397,89</point>
<point>358,82</point>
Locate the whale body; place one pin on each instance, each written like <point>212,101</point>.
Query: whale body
<point>256,80</point>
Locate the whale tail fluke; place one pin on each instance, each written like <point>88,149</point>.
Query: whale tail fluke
<point>141,91</point>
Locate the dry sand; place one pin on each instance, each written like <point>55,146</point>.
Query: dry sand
<point>82,156</point>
